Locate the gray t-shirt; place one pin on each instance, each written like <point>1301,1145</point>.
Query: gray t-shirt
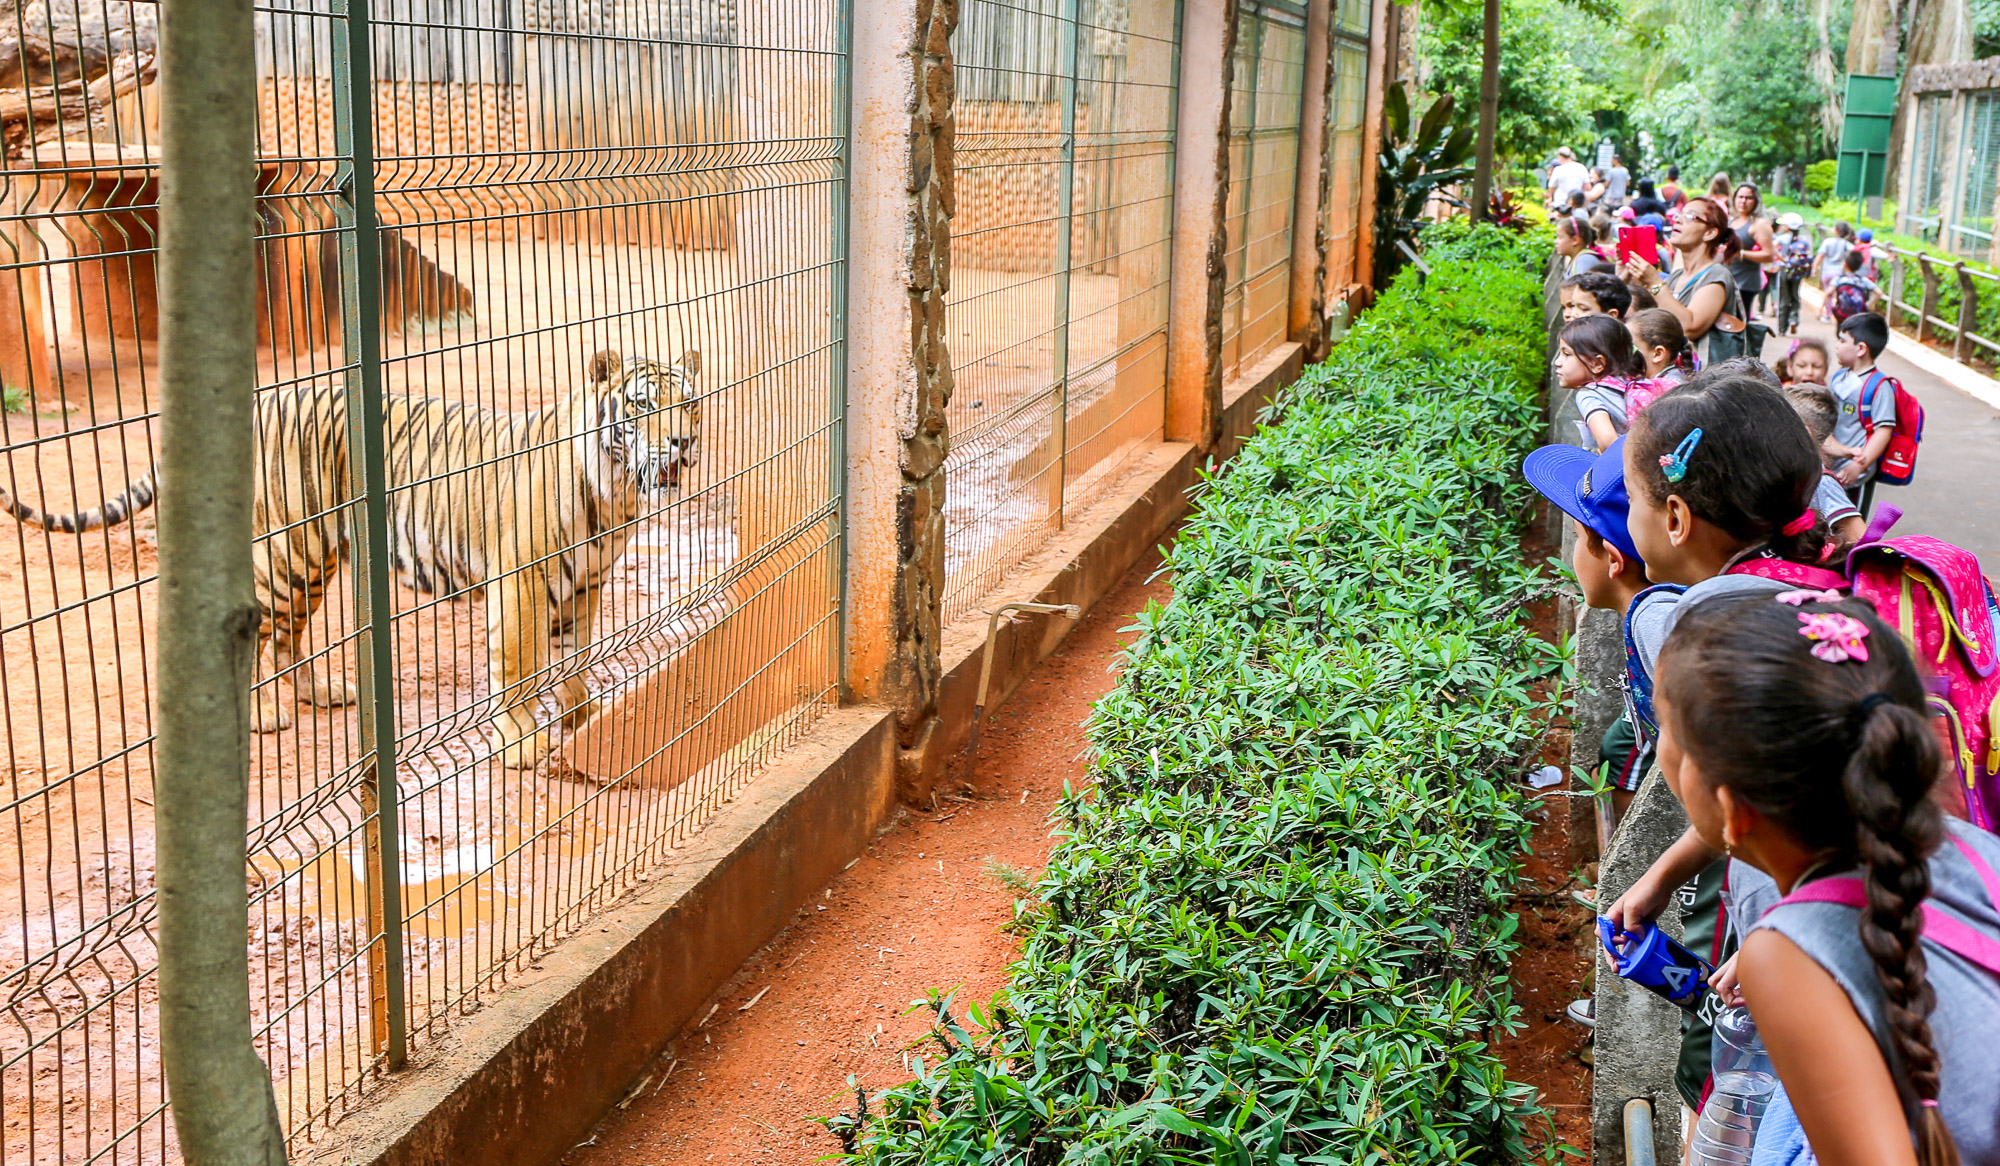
<point>1616,181</point>
<point>1967,1020</point>
<point>1654,618</point>
<point>1831,501</point>
<point>1847,427</point>
<point>1604,397</point>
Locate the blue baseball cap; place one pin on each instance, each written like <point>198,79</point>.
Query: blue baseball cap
<point>1866,236</point>
<point>1589,487</point>
<point>1651,219</point>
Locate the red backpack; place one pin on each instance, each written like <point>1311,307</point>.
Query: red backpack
<point>1936,596</point>
<point>1899,460</point>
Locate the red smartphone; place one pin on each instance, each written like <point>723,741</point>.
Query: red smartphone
<point>1638,243</point>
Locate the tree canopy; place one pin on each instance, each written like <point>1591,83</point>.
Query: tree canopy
<point>1732,85</point>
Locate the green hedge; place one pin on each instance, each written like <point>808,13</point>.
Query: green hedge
<point>1275,932</point>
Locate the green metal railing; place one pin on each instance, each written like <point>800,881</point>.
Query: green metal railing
<point>455,218</point>
<point>1064,173</point>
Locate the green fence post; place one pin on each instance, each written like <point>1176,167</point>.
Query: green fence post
<point>375,671</point>
<point>1065,231</point>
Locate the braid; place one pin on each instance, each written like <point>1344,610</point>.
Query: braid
<point>1896,826</point>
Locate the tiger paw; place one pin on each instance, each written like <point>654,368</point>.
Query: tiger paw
<point>267,715</point>
<point>331,694</point>
<point>521,752</point>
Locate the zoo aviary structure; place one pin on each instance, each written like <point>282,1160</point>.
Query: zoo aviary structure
<point>729,358</point>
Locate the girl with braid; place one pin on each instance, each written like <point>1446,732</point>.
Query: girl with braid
<point>1794,730</point>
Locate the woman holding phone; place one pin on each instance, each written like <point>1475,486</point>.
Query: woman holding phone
<point>1702,289</point>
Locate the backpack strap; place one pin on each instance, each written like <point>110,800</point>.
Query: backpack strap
<point>1638,682</point>
<point>1946,931</point>
<point>1786,571</point>
<point>1869,384</point>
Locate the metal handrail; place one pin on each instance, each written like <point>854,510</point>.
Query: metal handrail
<point>1924,311</point>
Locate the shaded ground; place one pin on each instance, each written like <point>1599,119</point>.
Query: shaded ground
<point>924,908</point>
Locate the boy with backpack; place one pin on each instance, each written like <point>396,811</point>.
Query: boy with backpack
<point>1852,292</point>
<point>1794,263</point>
<point>1878,426</point>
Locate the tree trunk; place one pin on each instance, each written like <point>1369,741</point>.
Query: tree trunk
<point>223,1108</point>
<point>1489,112</point>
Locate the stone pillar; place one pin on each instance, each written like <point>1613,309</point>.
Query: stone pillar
<point>1638,1037</point>
<point>1201,193</point>
<point>1307,320</point>
<point>1381,56</point>
<point>898,381</point>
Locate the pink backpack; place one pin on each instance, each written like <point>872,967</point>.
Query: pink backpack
<point>1936,595</point>
<point>1643,392</point>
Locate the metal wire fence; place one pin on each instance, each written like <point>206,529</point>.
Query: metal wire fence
<point>548,495</point>
<point>1058,308</point>
<point>1264,109</point>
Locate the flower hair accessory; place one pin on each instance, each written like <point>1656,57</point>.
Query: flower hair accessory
<point>1836,637</point>
<point>1795,598</point>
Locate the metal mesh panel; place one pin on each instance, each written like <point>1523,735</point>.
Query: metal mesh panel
<point>608,585</point>
<point>1971,229</point>
<point>1346,141</point>
<point>1263,156</point>
<point>1926,181</point>
<point>1058,305</point>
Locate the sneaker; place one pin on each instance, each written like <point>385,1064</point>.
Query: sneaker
<point>1583,1011</point>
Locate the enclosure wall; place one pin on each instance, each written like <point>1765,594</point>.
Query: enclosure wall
<point>555,541</point>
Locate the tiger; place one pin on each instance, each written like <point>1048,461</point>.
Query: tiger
<point>533,509</point>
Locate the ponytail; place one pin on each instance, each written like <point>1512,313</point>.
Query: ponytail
<point>1659,328</point>
<point>1896,826</point>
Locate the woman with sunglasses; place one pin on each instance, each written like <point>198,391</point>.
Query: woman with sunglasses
<point>1702,289</point>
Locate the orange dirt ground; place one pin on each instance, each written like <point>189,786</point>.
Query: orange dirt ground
<point>920,910</point>
<point>829,998</point>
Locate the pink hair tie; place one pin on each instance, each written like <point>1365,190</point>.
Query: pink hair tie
<point>1929,1103</point>
<point>1801,524</point>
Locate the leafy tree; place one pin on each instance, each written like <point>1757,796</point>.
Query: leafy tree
<point>1544,100</point>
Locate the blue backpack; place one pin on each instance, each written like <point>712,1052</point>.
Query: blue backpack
<point>1638,684</point>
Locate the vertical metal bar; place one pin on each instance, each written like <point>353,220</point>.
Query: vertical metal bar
<point>1065,235</point>
<point>843,208</point>
<point>361,322</point>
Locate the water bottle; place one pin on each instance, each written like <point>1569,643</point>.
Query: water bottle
<point>1727,1127</point>
<point>1652,959</point>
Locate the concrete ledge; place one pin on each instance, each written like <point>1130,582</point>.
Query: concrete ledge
<point>524,1080</point>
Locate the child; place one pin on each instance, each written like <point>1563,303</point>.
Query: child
<point>1795,731</point>
<point>1852,292</point>
<point>1815,406</point>
<point>1596,293</point>
<point>1858,442</point>
<point>1794,263</point>
<point>1832,254</point>
<point>1591,490</point>
<point>1594,356</point>
<point>1864,245</point>
<point>1718,472</point>
<point>1663,345</point>
<point>1807,364</point>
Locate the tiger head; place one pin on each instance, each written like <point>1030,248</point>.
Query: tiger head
<point>648,417</point>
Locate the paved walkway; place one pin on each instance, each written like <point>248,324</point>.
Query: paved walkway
<point>1956,494</point>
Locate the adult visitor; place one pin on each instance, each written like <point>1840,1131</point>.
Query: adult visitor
<point>1594,188</point>
<point>1618,183</point>
<point>1756,245</point>
<point>1719,188</point>
<point>1702,289</point>
<point>1671,192</point>
<point>1566,177</point>
<point>1648,202</point>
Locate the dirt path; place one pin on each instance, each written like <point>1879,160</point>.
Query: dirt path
<point>922,909</point>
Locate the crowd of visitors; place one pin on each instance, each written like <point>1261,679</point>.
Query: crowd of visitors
<point>1838,876</point>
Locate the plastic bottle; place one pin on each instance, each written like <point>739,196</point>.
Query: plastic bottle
<point>1727,1127</point>
<point>1650,958</point>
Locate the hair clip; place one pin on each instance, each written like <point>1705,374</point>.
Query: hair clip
<point>1794,349</point>
<point>1836,637</point>
<point>1795,598</point>
<point>1674,466</point>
